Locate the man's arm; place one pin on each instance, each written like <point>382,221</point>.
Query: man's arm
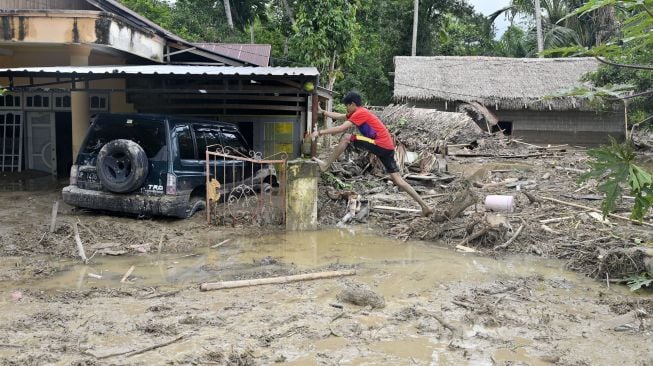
<point>333,115</point>
<point>333,130</point>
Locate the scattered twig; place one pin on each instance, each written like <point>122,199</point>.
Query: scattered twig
<point>595,210</point>
<point>557,219</point>
<point>455,330</point>
<point>220,243</point>
<point>549,230</point>
<point>138,352</point>
<point>163,294</point>
<point>464,305</point>
<point>129,272</point>
<point>78,241</point>
<point>505,245</point>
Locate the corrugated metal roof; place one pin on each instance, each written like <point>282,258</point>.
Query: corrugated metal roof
<point>165,70</point>
<point>257,54</point>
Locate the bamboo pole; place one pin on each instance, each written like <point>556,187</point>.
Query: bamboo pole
<point>127,274</point>
<point>53,221</point>
<point>274,280</point>
<point>595,210</point>
<point>78,241</point>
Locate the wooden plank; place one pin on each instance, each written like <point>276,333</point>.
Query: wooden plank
<point>225,106</point>
<point>396,209</point>
<point>270,98</point>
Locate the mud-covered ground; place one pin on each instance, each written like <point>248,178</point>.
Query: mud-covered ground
<point>439,307</point>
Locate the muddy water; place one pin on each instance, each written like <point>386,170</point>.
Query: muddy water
<point>422,264</point>
<point>554,314</point>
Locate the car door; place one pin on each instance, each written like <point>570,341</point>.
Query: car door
<point>187,164</point>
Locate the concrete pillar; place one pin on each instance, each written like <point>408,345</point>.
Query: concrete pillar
<point>79,104</point>
<point>301,195</point>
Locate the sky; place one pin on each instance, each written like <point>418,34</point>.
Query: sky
<point>487,7</point>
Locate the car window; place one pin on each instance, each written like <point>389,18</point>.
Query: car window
<point>149,134</point>
<point>207,136</point>
<point>233,139</point>
<point>185,143</point>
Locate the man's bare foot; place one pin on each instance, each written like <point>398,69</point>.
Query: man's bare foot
<point>323,165</point>
<point>426,212</point>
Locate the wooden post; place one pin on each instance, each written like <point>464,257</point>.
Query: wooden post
<point>53,221</point>
<point>316,100</point>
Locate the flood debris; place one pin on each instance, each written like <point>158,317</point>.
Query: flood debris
<point>360,294</point>
<point>458,166</point>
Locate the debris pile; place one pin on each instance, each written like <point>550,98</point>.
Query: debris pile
<point>549,213</point>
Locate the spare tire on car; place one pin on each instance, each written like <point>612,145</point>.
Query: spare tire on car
<point>122,166</point>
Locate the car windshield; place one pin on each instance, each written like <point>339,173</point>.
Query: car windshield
<point>148,133</point>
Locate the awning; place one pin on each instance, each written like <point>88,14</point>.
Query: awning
<point>64,71</point>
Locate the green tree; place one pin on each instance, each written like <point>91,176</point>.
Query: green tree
<point>560,30</point>
<point>629,59</point>
<point>326,35</point>
<point>157,11</point>
<point>512,43</point>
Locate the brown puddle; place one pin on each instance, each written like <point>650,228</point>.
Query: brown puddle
<point>290,324</point>
<point>420,263</point>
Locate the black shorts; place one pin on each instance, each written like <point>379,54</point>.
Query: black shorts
<point>386,156</point>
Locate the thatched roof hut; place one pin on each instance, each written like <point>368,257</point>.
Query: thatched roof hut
<point>502,83</point>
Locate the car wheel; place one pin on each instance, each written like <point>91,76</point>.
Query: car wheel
<point>122,166</point>
<point>196,204</point>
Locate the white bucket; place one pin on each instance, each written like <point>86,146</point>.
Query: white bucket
<point>500,203</point>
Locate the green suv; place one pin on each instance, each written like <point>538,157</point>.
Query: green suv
<point>152,165</point>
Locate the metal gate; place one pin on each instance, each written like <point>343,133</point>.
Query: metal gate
<point>242,188</point>
<point>11,128</point>
<point>41,153</point>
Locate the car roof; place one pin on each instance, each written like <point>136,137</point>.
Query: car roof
<point>158,117</point>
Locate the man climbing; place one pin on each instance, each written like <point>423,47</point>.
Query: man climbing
<point>374,137</point>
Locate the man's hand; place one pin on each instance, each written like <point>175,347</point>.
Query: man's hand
<point>319,109</point>
<point>315,134</point>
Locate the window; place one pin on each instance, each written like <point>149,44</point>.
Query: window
<point>37,101</point>
<point>207,137</point>
<point>148,133</point>
<point>185,143</point>
<point>233,139</point>
<point>98,102</point>
<point>61,102</point>
<point>10,101</point>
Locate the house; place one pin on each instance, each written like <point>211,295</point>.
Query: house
<point>61,61</point>
<point>517,96</point>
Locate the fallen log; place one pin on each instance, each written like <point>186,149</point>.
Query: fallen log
<point>595,210</point>
<point>274,280</point>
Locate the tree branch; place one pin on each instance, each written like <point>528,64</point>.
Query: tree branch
<point>637,67</point>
